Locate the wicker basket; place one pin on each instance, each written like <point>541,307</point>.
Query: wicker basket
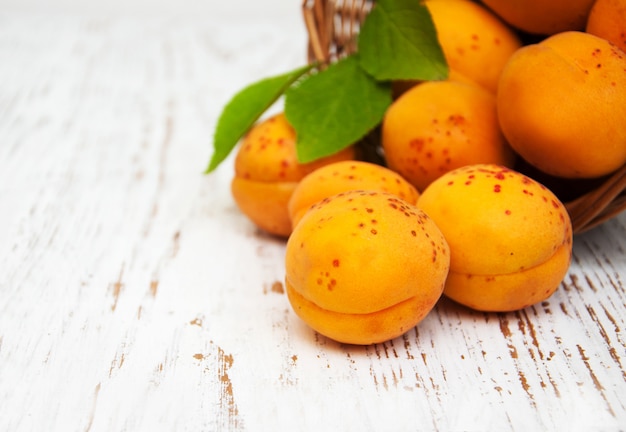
<point>332,26</point>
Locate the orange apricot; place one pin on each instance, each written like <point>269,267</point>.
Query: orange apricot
<point>475,42</point>
<point>510,237</point>
<point>607,19</point>
<point>512,291</point>
<point>561,107</point>
<point>344,176</point>
<point>441,125</point>
<point>543,17</point>
<point>364,267</point>
<point>267,171</point>
<point>401,86</point>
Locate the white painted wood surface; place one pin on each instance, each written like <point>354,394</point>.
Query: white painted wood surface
<point>135,297</point>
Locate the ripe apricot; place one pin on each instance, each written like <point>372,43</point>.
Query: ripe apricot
<point>560,105</point>
<point>267,171</point>
<point>543,17</point>
<point>344,176</point>
<point>510,237</point>
<point>364,267</point>
<point>441,125</point>
<point>475,42</point>
<point>401,86</point>
<point>607,19</point>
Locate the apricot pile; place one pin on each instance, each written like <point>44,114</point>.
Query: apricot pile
<point>557,71</point>
<point>466,205</point>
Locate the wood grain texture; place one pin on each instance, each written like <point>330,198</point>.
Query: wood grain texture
<point>134,296</point>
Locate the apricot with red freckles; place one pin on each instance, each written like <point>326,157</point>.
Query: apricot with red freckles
<point>267,171</point>
<point>561,105</point>
<point>441,125</point>
<point>475,42</point>
<point>510,237</point>
<point>364,267</point>
<point>344,176</point>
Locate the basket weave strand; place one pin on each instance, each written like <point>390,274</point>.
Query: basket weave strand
<point>600,204</point>
<point>332,27</point>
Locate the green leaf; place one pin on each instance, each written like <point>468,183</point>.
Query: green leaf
<point>398,41</point>
<point>245,108</point>
<point>335,108</point>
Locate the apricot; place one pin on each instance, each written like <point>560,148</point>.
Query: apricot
<point>475,42</point>
<point>364,267</point>
<point>607,19</point>
<point>402,86</point>
<point>344,176</point>
<point>510,237</point>
<point>561,107</point>
<point>441,125</point>
<point>542,17</point>
<point>267,171</point>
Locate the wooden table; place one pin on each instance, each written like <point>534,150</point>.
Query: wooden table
<point>135,297</point>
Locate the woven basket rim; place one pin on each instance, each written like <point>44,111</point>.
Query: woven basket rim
<point>332,26</point>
